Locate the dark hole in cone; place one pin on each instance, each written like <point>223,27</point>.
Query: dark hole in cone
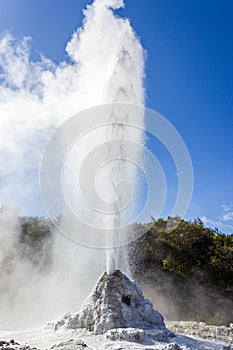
<point>126,299</point>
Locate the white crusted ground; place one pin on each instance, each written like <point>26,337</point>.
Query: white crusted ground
<point>84,340</point>
<point>116,316</point>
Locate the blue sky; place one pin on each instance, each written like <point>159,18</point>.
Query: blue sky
<point>188,77</point>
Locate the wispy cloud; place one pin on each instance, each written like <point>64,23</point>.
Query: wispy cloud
<point>227,207</point>
<point>228,212</point>
<point>217,224</point>
<point>228,216</point>
<point>224,221</point>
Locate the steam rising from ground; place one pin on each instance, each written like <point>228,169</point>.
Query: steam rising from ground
<point>104,65</point>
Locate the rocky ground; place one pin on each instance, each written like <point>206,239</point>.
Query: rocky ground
<point>13,345</point>
<point>116,316</point>
<point>39,339</point>
<point>202,330</point>
<point>189,336</point>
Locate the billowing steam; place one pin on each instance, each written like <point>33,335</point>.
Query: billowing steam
<point>104,65</point>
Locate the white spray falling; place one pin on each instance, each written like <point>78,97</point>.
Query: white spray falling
<point>110,58</point>
<point>105,65</point>
<point>124,83</point>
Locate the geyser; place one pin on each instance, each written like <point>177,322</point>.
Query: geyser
<point>116,302</point>
<point>125,83</point>
<point>106,44</point>
<point>105,66</point>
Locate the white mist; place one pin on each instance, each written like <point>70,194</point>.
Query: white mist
<point>106,66</point>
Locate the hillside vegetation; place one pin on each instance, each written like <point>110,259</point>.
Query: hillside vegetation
<point>183,266</point>
<point>190,265</point>
<point>189,248</point>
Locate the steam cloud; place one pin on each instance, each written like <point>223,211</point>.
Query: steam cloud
<point>105,64</point>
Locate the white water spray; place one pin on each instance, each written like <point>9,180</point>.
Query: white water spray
<point>125,84</point>
<point>108,50</point>
<point>106,66</point>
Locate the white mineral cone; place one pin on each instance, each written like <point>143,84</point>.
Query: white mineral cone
<point>117,302</point>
